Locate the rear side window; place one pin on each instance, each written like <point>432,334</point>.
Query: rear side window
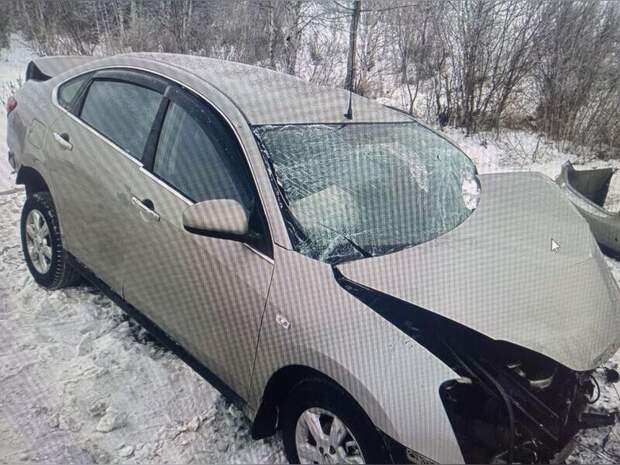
<point>195,156</point>
<point>68,92</point>
<point>122,112</point>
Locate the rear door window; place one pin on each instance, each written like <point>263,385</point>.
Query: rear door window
<point>68,92</point>
<point>122,112</point>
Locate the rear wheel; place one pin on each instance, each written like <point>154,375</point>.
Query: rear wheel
<point>322,424</point>
<point>42,244</point>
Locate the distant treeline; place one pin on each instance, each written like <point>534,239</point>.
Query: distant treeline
<point>552,66</point>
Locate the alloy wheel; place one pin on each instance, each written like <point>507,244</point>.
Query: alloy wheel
<point>38,241</point>
<point>321,437</point>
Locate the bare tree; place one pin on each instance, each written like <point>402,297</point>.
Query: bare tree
<point>479,64</point>
<point>293,35</point>
<point>577,67</point>
<point>355,19</point>
<point>4,30</point>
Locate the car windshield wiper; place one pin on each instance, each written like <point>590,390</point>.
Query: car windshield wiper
<point>362,251</point>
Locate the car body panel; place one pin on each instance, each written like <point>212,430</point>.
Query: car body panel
<point>269,97</point>
<point>139,258</point>
<point>220,101</point>
<point>93,214</point>
<point>497,274</point>
<point>209,294</point>
<point>395,380</point>
<point>27,125</point>
<point>587,190</point>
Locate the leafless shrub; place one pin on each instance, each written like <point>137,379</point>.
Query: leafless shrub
<point>4,29</point>
<point>578,72</point>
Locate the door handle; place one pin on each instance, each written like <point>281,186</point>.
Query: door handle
<point>63,141</point>
<point>148,210</point>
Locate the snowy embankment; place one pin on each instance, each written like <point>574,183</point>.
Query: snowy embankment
<point>81,384</point>
<point>12,63</point>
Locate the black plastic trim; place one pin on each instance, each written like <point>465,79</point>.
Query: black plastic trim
<point>79,95</point>
<point>140,78</point>
<point>136,77</point>
<point>148,156</point>
<point>250,238</point>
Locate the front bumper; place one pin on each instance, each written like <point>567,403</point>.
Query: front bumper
<point>526,423</point>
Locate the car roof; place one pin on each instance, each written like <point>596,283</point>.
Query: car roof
<point>270,97</point>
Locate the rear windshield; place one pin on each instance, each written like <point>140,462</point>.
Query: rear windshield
<point>361,190</point>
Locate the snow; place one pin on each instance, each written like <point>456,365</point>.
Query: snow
<point>12,64</point>
<point>80,383</point>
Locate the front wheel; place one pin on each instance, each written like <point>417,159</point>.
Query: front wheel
<point>322,424</point>
<point>42,245</point>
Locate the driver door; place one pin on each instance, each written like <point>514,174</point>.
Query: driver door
<point>207,293</point>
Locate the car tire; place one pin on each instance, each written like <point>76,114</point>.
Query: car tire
<point>324,399</point>
<point>45,256</point>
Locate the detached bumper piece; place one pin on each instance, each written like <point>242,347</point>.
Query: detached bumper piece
<point>524,410</point>
<point>588,191</point>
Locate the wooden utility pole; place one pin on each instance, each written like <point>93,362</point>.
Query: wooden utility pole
<point>355,20</point>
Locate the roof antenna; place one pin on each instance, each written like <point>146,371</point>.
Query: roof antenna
<point>349,113</point>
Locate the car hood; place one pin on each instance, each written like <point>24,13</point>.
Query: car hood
<point>523,268</point>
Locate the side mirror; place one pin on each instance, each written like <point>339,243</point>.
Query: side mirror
<point>223,219</point>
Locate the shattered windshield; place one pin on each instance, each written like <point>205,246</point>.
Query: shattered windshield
<point>360,190</point>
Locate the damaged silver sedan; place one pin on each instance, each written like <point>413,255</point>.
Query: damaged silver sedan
<point>347,279</point>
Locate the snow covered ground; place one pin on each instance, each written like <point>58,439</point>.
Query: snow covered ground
<point>80,384</point>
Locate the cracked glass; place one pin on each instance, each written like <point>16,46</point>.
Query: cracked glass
<point>360,190</point>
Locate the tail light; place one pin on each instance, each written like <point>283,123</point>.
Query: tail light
<point>11,104</point>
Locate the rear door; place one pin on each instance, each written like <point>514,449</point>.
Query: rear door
<point>98,146</point>
<point>207,293</point>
